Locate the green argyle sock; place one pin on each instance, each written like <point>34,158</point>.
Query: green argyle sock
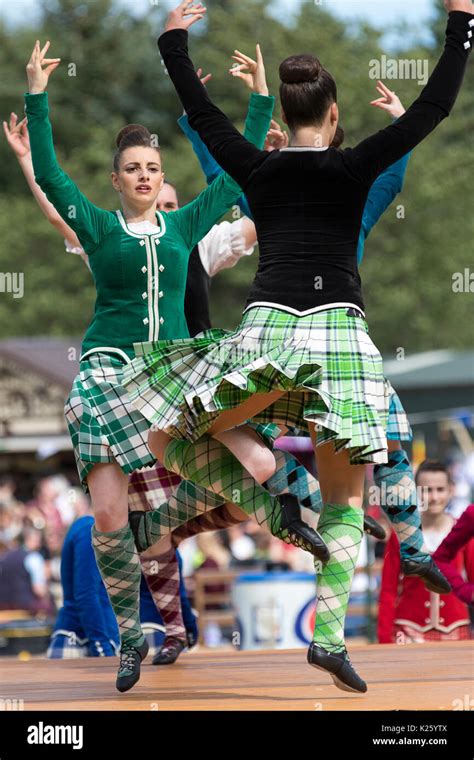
<point>188,502</point>
<point>119,566</point>
<point>209,463</point>
<point>341,527</point>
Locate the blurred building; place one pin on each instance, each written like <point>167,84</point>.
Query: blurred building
<point>36,375</point>
<point>437,391</point>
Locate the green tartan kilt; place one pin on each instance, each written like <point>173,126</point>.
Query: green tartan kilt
<point>102,423</point>
<point>330,371</point>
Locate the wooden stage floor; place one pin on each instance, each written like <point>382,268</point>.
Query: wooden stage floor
<point>410,677</point>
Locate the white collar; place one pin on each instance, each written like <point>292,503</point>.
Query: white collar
<point>294,148</point>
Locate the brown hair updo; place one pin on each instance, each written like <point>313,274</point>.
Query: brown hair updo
<point>131,136</point>
<point>307,90</point>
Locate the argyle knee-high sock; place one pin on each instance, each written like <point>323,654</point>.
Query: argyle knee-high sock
<point>188,501</point>
<point>292,477</point>
<point>119,566</point>
<point>217,519</point>
<point>341,527</point>
<point>210,464</point>
<point>398,500</point>
<point>162,577</point>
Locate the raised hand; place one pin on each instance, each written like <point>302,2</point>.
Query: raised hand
<point>389,101</point>
<point>458,5</point>
<point>37,75</point>
<point>204,80</point>
<point>276,139</point>
<point>176,18</point>
<point>250,71</point>
<point>17,136</point>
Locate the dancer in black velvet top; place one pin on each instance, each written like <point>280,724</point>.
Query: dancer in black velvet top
<point>301,354</point>
<point>308,201</point>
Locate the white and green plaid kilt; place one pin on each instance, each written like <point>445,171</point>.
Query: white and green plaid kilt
<point>398,427</point>
<point>326,363</point>
<point>103,424</point>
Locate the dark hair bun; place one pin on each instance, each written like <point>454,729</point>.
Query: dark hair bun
<point>132,134</point>
<point>300,68</point>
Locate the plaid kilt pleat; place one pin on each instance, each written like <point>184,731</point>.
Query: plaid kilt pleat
<point>330,371</point>
<point>102,423</point>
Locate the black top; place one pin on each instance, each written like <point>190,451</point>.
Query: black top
<point>308,204</point>
<point>196,299</point>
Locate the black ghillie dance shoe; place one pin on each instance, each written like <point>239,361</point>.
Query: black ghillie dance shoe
<point>429,573</point>
<point>339,667</point>
<point>170,651</point>
<point>294,531</point>
<point>131,658</point>
<point>373,528</point>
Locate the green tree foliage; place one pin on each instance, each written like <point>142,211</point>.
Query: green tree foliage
<point>111,75</point>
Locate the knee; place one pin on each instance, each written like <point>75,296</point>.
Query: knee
<point>157,443</point>
<point>262,464</point>
<point>107,518</point>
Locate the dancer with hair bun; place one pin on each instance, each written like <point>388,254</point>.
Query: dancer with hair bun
<point>302,353</point>
<point>395,480</point>
<point>139,259</point>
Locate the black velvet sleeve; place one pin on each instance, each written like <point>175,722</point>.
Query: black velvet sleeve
<point>232,151</point>
<point>375,154</point>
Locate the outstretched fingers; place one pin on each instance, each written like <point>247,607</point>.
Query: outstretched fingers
<point>196,13</point>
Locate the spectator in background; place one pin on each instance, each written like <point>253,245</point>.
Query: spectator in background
<point>43,511</point>
<point>23,577</point>
<point>211,552</point>
<point>462,473</point>
<point>11,510</point>
<point>447,553</point>
<point>408,612</point>
<point>66,498</point>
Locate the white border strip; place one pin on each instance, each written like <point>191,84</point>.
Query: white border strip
<point>290,310</point>
<point>106,350</point>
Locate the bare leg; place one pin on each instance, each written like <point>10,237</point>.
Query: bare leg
<point>118,563</point>
<point>245,411</point>
<point>247,446</point>
<point>209,463</point>
<point>108,487</point>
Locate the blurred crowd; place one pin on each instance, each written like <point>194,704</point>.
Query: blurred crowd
<point>31,538</point>
<point>32,533</point>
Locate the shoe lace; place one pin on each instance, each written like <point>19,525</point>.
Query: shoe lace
<point>348,659</point>
<point>127,658</point>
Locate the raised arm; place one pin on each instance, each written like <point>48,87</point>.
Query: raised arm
<point>373,155</point>
<point>89,222</point>
<point>257,125</point>
<point>237,156</point>
<point>18,140</point>
<point>459,539</point>
<point>197,218</point>
<point>209,165</point>
<point>390,183</point>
